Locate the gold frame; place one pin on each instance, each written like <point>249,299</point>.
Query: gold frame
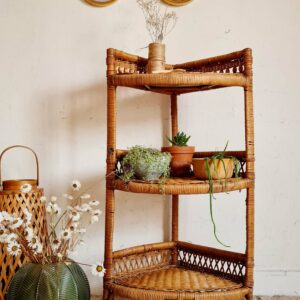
<point>177,2</point>
<point>100,4</point>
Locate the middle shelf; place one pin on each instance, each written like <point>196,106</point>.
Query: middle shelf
<point>178,186</point>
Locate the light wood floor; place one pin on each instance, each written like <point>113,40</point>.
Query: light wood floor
<point>256,298</point>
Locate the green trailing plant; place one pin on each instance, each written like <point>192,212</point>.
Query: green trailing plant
<point>236,167</point>
<point>145,163</point>
<point>179,140</point>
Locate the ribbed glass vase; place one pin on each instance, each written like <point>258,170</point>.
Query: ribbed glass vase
<point>58,281</point>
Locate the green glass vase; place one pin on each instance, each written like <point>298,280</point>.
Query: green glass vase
<point>58,281</point>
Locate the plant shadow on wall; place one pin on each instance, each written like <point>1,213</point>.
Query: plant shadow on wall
<point>77,148</point>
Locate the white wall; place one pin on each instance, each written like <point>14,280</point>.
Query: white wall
<point>53,97</point>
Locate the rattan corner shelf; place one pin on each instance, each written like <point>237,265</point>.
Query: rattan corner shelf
<point>176,269</point>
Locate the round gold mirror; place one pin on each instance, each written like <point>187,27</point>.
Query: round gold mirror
<point>100,3</point>
<point>177,2</point>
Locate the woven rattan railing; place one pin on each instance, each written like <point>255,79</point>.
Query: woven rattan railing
<point>145,258</point>
<point>142,258</point>
<point>229,63</point>
<point>124,63</point>
<point>218,262</point>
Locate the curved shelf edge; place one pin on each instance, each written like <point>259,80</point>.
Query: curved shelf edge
<point>167,269</point>
<point>182,186</point>
<point>179,80</point>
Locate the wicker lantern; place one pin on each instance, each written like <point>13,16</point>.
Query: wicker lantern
<point>14,201</point>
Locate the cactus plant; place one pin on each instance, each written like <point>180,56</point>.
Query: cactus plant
<point>180,139</point>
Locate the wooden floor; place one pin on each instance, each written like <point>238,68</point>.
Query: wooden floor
<point>256,298</point>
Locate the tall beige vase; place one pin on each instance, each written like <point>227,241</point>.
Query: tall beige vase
<point>156,58</point>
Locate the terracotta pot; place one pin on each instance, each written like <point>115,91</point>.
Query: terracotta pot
<point>182,158</point>
<point>217,170</point>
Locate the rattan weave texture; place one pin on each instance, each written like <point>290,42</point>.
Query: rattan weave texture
<point>172,278</point>
<point>182,186</point>
<point>158,271</point>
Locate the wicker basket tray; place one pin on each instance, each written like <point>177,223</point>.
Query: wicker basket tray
<point>178,270</point>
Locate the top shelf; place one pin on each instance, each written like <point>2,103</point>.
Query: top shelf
<point>233,69</point>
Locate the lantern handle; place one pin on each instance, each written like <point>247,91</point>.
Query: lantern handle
<point>25,147</point>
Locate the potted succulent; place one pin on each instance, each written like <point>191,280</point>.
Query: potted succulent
<point>145,163</point>
<point>216,167</point>
<point>182,155</point>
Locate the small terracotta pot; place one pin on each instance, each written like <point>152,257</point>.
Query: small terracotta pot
<point>182,158</point>
<point>217,170</point>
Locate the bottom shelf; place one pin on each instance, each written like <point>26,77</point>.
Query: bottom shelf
<point>178,270</point>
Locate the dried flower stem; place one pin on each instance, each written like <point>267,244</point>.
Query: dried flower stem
<point>159,24</point>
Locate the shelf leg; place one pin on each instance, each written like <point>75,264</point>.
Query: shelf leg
<point>108,294</point>
<point>110,195</point>
<point>175,198</point>
<point>250,173</point>
<point>249,296</point>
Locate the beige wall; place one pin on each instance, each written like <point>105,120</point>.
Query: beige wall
<point>52,97</point>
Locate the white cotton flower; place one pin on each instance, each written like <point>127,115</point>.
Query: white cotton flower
<point>73,226</point>
<point>16,223</point>
<point>85,207</point>
<point>67,196</point>
<point>56,209</point>
<point>76,185</point>
<point>94,219</point>
<point>38,249</point>
<point>3,234</point>
<point>59,255</point>
<point>43,199</point>
<point>55,244</point>
<point>12,237</point>
<point>65,234</point>
<point>28,216</point>
<point>14,248</point>
<point>85,196</point>
<point>53,199</point>
<point>28,233</point>
<point>94,203</point>
<point>98,270</point>
<point>53,209</point>
<point>5,216</point>
<point>74,216</point>
<point>49,209</point>
<point>33,242</point>
<point>26,188</point>
<point>77,207</point>
<point>97,212</point>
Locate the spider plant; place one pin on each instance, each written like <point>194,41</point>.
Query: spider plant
<point>236,164</point>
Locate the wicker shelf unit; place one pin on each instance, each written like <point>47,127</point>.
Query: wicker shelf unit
<point>175,269</point>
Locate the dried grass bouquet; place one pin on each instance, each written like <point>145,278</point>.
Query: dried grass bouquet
<point>159,21</point>
<point>66,229</point>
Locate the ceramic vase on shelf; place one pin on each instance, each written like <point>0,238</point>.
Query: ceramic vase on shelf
<point>156,58</point>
